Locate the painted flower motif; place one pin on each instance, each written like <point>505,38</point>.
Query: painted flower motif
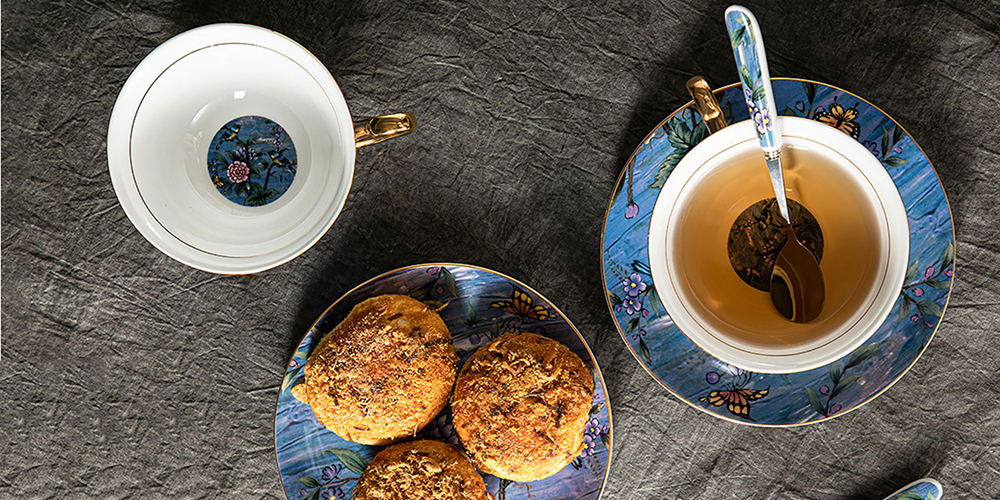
<point>914,318</point>
<point>633,285</point>
<point>333,493</point>
<point>592,435</point>
<point>238,166</point>
<point>801,106</point>
<point>246,153</point>
<point>824,390</point>
<point>762,118</point>
<point>872,147</point>
<point>588,445</point>
<point>919,292</point>
<point>294,363</point>
<point>330,472</point>
<point>238,172</point>
<point>948,273</point>
<point>433,270</point>
<point>631,305</point>
<point>712,378</point>
<point>748,97</point>
<point>278,131</point>
<point>642,333</point>
<point>897,149</point>
<point>929,272</point>
<point>835,408</point>
<point>631,210</point>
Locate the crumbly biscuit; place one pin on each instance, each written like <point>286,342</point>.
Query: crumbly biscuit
<point>383,373</point>
<point>428,470</point>
<point>520,406</point>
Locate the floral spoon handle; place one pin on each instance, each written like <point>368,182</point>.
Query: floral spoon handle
<point>748,47</point>
<point>922,489</point>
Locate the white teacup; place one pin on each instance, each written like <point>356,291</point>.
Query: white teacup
<point>865,254</point>
<point>232,149</point>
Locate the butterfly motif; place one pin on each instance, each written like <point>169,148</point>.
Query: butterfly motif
<point>521,304</point>
<point>218,182</point>
<point>842,119</point>
<point>737,400</point>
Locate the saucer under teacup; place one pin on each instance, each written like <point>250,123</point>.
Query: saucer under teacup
<point>232,149</point>
<point>799,396</point>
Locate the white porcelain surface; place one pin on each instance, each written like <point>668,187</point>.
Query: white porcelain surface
<point>842,151</point>
<point>174,103</point>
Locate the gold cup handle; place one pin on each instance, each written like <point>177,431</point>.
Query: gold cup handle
<point>376,129</point>
<point>706,104</point>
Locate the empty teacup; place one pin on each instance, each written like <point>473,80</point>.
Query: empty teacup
<point>232,149</point>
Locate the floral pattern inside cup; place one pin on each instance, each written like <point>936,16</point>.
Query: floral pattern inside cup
<point>252,161</point>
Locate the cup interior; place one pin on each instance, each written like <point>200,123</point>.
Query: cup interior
<point>180,116</point>
<point>865,246</point>
<point>216,197</point>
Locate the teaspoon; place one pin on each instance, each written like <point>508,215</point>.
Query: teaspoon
<point>797,288</point>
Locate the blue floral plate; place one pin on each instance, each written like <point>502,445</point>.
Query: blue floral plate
<point>805,397</point>
<point>315,463</point>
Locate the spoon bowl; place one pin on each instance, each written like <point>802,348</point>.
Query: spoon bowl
<point>797,288</point>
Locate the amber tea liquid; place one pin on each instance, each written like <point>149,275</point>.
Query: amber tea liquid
<point>855,245</point>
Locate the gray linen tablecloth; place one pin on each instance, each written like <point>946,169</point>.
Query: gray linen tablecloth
<point>126,374</point>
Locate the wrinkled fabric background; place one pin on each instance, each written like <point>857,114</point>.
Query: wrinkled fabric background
<point>126,374</point>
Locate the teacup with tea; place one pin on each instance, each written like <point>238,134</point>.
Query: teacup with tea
<point>710,250</point>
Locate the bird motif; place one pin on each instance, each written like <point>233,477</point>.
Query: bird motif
<point>278,159</point>
<point>230,133</point>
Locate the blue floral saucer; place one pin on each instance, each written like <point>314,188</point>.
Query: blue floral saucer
<point>481,304</point>
<point>797,398</point>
